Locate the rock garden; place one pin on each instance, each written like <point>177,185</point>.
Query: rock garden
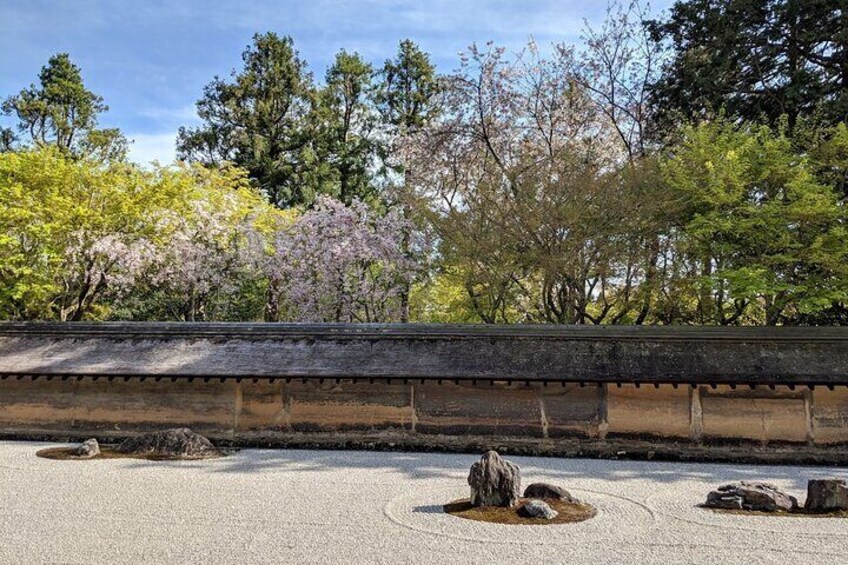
<point>496,497</point>
<point>825,497</point>
<point>171,444</point>
<point>495,485</point>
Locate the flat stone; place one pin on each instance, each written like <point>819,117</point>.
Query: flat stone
<point>752,496</point>
<point>176,442</point>
<point>537,509</point>
<point>826,495</point>
<point>87,449</point>
<point>494,481</point>
<point>547,490</point>
<point>726,501</point>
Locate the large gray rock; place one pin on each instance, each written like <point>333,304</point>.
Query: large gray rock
<point>547,490</point>
<point>757,497</point>
<point>537,509</point>
<point>494,481</point>
<point>87,449</point>
<point>826,495</point>
<point>176,442</point>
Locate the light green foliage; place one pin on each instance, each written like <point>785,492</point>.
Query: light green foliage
<point>62,222</point>
<point>828,154</point>
<point>82,240</point>
<point>449,295</point>
<point>764,239</point>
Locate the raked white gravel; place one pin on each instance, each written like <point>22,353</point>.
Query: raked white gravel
<point>293,506</point>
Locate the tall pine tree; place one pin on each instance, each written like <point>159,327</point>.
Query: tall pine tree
<point>62,112</point>
<point>753,59</point>
<point>259,121</point>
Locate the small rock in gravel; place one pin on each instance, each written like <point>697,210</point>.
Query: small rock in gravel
<point>547,490</point>
<point>494,481</point>
<point>758,497</point>
<point>87,449</point>
<point>537,509</point>
<point>826,495</point>
<point>176,442</point>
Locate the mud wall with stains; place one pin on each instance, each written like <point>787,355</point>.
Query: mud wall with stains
<point>711,393</point>
<point>532,418</point>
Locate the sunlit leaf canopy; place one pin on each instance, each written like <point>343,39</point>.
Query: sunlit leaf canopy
<point>647,173</point>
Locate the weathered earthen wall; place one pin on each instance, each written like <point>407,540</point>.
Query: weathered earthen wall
<point>421,414</point>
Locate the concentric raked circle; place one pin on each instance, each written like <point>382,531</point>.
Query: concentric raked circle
<point>421,510</point>
<point>623,522</point>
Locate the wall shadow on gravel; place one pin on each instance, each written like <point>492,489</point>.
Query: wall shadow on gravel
<point>565,471</point>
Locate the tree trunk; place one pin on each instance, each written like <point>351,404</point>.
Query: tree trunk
<point>272,309</point>
<point>407,213</point>
<point>650,278</point>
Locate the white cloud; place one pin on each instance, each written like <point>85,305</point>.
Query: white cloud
<point>152,147</point>
<point>181,114</point>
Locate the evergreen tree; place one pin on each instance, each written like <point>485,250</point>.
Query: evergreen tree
<point>406,98</point>
<point>260,121</point>
<point>407,93</point>
<point>347,126</point>
<point>62,112</point>
<point>753,59</point>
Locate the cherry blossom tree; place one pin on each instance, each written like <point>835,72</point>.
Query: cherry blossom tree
<point>94,266</point>
<point>340,263</point>
<point>515,178</point>
<point>207,260</point>
<point>618,66</point>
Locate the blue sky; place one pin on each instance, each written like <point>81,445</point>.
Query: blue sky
<point>150,59</point>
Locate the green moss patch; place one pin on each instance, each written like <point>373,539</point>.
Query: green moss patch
<point>569,512</point>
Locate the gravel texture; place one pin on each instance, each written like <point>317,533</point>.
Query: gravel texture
<point>290,506</point>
